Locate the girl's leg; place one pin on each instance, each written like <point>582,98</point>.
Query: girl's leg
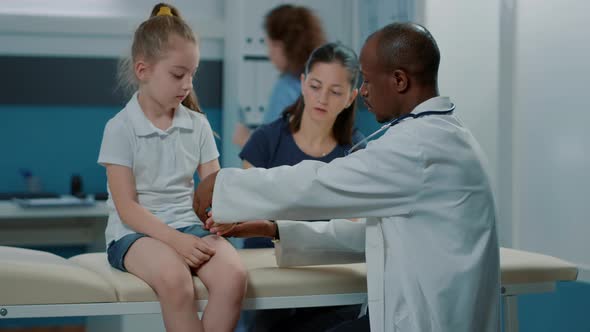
<point>165,271</point>
<point>225,277</point>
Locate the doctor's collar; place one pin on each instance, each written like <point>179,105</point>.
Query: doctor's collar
<point>439,103</point>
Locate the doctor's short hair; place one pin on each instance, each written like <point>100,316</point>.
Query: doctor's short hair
<point>298,29</point>
<point>330,53</point>
<point>410,47</point>
<point>150,43</point>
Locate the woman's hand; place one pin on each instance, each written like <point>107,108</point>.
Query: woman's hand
<point>195,250</point>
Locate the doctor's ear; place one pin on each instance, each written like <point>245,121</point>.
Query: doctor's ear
<point>399,80</point>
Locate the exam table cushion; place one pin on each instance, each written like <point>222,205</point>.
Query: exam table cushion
<point>519,267</point>
<point>37,277</point>
<point>265,278</point>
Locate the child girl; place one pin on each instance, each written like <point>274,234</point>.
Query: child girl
<point>151,150</point>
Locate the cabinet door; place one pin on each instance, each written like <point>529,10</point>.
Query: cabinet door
<point>252,30</point>
<point>266,77</point>
<point>247,92</point>
<point>256,82</point>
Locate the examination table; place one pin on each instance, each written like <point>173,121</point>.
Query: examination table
<point>40,284</point>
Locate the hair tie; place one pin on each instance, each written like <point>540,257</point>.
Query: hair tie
<point>164,11</point>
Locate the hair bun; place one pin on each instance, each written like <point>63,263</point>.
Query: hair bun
<point>164,11</point>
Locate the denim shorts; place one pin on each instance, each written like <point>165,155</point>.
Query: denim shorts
<point>117,249</point>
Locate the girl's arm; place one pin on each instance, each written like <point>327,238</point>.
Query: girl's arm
<point>204,170</point>
<point>122,184</point>
<point>246,164</point>
<point>208,168</point>
<point>250,229</point>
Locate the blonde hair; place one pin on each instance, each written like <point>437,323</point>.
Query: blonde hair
<point>150,42</point>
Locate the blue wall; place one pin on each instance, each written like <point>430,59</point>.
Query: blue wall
<point>566,309</point>
<point>56,142</point>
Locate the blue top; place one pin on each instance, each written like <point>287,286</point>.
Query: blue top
<point>272,145</point>
<point>284,93</point>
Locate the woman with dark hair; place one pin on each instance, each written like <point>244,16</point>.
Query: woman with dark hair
<point>292,33</point>
<point>320,124</point>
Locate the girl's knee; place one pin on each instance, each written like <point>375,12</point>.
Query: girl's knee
<point>175,284</point>
<point>215,240</point>
<point>234,281</point>
<point>230,274</point>
<point>239,273</point>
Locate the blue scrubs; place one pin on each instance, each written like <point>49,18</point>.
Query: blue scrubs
<point>284,93</point>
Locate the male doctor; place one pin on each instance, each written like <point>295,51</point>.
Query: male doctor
<point>430,239</point>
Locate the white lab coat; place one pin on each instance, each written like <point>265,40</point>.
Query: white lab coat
<point>431,246</point>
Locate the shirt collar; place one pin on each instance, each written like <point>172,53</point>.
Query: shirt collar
<point>434,104</point>
<point>144,127</point>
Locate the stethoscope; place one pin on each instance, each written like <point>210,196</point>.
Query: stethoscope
<point>398,120</point>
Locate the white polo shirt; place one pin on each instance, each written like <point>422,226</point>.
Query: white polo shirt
<point>163,163</point>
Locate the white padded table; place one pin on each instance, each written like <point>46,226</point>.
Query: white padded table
<point>39,284</point>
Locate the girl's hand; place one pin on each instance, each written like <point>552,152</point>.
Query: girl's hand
<point>195,251</point>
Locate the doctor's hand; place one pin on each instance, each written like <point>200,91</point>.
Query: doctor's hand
<point>255,228</point>
<point>204,196</point>
<point>221,229</point>
<point>215,228</point>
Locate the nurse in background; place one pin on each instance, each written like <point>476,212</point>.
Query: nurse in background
<point>292,33</point>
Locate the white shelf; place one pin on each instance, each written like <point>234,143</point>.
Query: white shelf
<point>103,36</point>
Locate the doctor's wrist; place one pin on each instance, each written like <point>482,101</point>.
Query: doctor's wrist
<point>273,230</point>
